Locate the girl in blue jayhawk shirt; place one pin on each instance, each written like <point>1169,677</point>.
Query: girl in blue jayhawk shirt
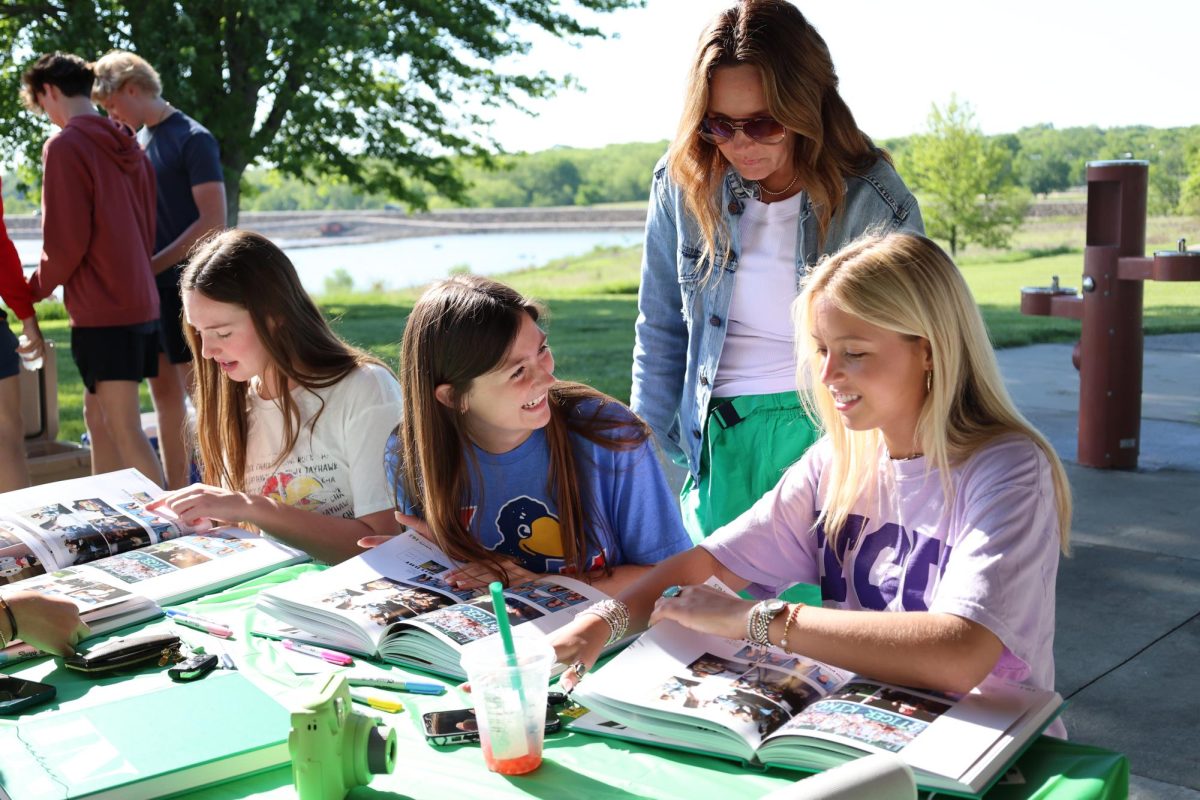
<point>509,471</point>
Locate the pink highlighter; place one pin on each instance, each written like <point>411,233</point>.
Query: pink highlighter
<point>331,656</point>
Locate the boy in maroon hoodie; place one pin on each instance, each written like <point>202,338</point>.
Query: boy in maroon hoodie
<point>98,234</point>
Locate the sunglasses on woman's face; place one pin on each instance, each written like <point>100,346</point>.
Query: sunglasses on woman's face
<point>764,130</point>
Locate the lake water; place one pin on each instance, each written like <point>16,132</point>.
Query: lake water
<point>410,262</point>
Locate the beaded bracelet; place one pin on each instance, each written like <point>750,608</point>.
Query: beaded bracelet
<point>615,613</point>
<point>12,623</point>
<point>791,618</point>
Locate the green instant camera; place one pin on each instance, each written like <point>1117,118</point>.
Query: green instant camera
<point>335,748</point>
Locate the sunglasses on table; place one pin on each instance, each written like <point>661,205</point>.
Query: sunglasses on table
<point>764,130</point>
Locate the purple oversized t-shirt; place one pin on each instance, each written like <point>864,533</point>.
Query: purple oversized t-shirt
<point>991,557</point>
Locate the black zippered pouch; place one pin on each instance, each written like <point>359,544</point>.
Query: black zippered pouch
<point>129,652</point>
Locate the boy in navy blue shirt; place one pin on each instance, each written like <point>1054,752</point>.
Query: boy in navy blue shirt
<point>191,205</point>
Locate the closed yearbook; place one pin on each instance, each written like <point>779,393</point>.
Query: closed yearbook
<point>178,738</point>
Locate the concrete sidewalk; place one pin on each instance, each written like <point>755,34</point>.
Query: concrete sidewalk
<point>1128,635</point>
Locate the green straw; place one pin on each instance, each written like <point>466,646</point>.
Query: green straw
<point>510,652</point>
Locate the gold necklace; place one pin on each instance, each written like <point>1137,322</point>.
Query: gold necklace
<point>784,190</point>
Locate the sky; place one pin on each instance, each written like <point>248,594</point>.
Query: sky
<point>1017,63</point>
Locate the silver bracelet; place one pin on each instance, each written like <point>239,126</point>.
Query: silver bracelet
<point>759,626</point>
<point>613,612</point>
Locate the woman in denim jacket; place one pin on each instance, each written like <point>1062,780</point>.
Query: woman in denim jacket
<point>768,172</point>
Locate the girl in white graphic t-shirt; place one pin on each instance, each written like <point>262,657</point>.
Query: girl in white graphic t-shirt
<point>290,420</point>
<point>929,497</point>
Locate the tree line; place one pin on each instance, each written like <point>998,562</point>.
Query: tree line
<point>1037,160</point>
<point>974,189</point>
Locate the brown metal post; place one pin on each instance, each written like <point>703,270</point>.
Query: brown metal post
<point>1110,370</point>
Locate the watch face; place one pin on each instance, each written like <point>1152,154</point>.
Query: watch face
<point>773,607</point>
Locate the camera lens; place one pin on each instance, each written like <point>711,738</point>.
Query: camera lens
<point>381,750</point>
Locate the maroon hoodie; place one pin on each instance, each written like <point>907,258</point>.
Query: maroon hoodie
<point>97,225</point>
<point>13,287</point>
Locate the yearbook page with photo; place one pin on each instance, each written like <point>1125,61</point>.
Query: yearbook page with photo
<point>92,541</point>
<point>63,524</point>
<point>678,688</point>
<point>391,603</point>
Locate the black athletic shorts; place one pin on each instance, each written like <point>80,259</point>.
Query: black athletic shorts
<point>170,329</point>
<point>10,360</point>
<point>118,353</point>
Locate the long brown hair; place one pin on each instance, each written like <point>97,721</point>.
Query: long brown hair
<point>905,283</point>
<point>246,270</point>
<point>801,88</point>
<point>459,329</point>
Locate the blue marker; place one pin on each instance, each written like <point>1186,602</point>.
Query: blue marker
<point>396,684</point>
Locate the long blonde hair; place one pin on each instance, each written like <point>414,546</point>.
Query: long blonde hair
<point>907,284</point>
<point>247,270</point>
<point>800,86</point>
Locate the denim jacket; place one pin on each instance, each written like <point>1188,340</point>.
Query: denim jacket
<point>682,321</point>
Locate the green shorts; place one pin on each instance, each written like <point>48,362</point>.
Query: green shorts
<point>749,442</point>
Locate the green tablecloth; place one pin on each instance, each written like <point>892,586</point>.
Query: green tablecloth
<point>576,765</point>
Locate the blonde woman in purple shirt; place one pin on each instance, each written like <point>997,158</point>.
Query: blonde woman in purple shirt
<point>929,497</point>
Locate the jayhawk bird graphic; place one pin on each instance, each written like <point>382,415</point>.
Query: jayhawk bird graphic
<point>528,529</point>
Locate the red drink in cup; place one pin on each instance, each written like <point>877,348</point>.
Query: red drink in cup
<point>510,701</point>
<point>512,766</point>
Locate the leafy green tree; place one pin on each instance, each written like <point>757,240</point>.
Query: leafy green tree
<point>618,172</point>
<point>552,180</point>
<point>1043,163</point>
<point>1081,145</point>
<point>565,176</point>
<point>964,181</point>
<point>1189,200</point>
<point>1052,160</point>
<point>381,92</point>
<point>1163,149</point>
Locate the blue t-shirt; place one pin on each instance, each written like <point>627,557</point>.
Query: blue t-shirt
<point>631,510</point>
<point>184,154</point>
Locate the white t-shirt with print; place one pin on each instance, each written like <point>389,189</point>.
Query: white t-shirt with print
<point>336,468</point>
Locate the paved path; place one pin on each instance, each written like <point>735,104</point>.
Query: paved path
<point>1127,644</point>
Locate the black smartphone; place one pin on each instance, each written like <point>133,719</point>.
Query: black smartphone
<point>17,694</point>
<point>459,725</point>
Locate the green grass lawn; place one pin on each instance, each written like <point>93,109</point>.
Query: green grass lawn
<point>593,304</point>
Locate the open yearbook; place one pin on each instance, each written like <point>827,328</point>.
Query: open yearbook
<point>390,604</point>
<point>93,541</point>
<point>678,688</point>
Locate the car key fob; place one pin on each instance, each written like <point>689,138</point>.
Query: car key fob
<point>193,668</point>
